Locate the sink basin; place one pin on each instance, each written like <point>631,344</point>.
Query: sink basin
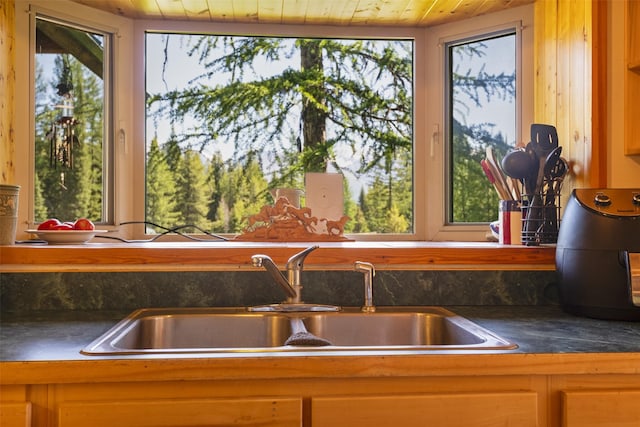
<point>395,329</point>
<point>215,330</point>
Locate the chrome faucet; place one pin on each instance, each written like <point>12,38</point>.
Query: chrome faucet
<point>290,284</point>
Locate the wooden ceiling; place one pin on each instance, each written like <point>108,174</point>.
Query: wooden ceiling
<point>325,12</point>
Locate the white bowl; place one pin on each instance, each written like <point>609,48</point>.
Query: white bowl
<point>66,237</point>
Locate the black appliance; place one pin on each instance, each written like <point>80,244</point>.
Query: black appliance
<point>598,254</point>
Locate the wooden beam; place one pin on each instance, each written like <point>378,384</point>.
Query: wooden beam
<point>75,42</point>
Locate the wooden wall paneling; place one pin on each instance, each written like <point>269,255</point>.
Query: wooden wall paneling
<point>597,33</point>
<point>545,51</point>
<point>632,78</point>
<point>576,135</point>
<point>633,32</point>
<point>563,84</point>
<point>7,91</point>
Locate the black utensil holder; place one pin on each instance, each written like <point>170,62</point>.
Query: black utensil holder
<point>541,216</point>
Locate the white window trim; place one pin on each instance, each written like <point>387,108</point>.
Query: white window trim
<point>437,37</point>
<point>429,218</point>
<point>24,106</point>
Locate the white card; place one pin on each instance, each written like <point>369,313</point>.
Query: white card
<point>324,195</point>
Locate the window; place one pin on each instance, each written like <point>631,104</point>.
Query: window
<point>73,149</point>
<point>230,117</point>
<point>128,128</point>
<point>481,80</point>
<point>483,70</point>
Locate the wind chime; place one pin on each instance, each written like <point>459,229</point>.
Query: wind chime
<point>62,136</point>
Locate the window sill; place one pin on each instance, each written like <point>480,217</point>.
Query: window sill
<point>219,256</point>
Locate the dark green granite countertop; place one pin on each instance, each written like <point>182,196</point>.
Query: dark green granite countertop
<point>48,336</point>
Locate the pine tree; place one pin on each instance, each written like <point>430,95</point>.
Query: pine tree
<point>161,189</point>
<point>350,208</point>
<point>377,205</point>
<point>215,172</point>
<point>191,190</point>
<point>395,221</point>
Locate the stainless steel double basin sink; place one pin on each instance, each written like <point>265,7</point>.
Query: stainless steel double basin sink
<point>218,330</point>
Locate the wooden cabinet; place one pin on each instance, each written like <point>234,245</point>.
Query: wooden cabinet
<point>177,412</point>
<point>632,78</point>
<point>601,408</point>
<point>451,410</point>
<point>460,400</point>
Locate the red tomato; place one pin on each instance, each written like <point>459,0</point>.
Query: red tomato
<point>63,226</point>
<point>49,224</point>
<point>83,224</point>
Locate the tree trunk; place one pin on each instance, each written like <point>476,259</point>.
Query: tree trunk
<point>313,110</point>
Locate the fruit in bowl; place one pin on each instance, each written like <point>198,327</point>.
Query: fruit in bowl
<point>49,224</point>
<point>53,231</point>
<point>83,224</point>
<point>55,224</point>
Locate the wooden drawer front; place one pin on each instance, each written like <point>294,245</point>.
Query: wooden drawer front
<point>173,413</point>
<point>15,414</point>
<point>451,410</point>
<point>610,408</point>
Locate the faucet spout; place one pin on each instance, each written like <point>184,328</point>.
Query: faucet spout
<point>294,268</point>
<point>297,261</point>
<point>266,262</point>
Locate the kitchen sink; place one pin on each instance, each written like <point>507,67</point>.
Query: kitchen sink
<point>216,330</point>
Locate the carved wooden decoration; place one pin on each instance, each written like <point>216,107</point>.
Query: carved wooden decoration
<point>285,222</point>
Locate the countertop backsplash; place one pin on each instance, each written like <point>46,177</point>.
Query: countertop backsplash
<point>26,292</point>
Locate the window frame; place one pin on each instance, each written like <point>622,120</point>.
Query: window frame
<point>416,34</point>
<point>521,20</point>
<point>118,30</point>
<point>128,106</point>
<point>108,150</point>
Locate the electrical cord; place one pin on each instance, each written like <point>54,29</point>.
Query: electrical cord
<point>175,230</point>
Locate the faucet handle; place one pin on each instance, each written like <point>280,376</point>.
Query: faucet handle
<point>296,261</point>
<point>369,271</point>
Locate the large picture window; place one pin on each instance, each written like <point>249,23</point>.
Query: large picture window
<point>230,117</point>
<point>210,118</point>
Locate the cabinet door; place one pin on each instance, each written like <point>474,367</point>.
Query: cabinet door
<point>15,414</point>
<point>601,408</point>
<point>451,410</point>
<point>174,413</point>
